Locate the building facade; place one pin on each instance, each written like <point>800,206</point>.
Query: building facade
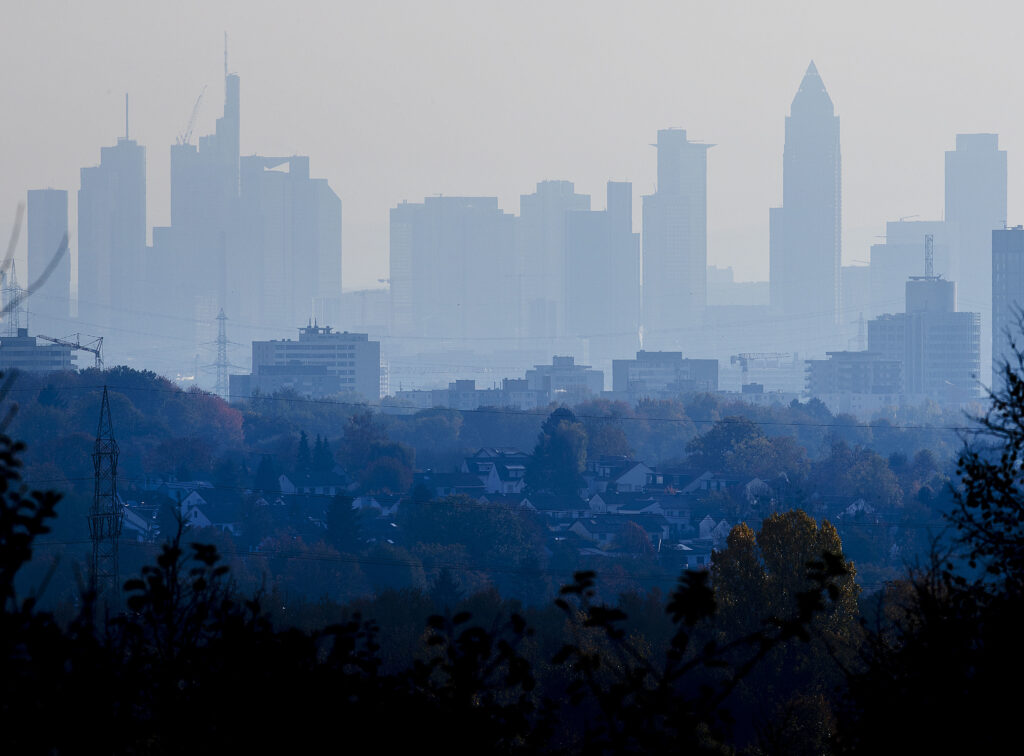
<point>1007,297</point>
<point>675,255</point>
<point>805,233</point>
<point>854,373</point>
<point>975,206</point>
<point>49,261</point>
<point>602,256</point>
<point>323,362</point>
<point>112,238</point>
<point>544,271</point>
<point>663,374</point>
<point>939,347</point>
<point>23,352</point>
<point>453,270</point>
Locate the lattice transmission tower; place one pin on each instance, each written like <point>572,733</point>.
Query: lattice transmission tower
<point>222,364</point>
<point>14,303</point>
<point>105,515</point>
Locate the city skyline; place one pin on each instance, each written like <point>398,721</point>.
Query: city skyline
<point>450,148</point>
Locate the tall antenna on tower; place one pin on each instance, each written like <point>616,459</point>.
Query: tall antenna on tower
<point>225,55</point>
<point>105,515</point>
<point>126,116</point>
<point>929,255</point>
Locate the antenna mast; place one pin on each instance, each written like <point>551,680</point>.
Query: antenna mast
<point>929,255</point>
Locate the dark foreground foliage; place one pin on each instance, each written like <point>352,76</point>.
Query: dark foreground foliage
<point>190,666</point>
<point>769,652</point>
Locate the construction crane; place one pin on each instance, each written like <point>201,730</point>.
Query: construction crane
<point>746,357</point>
<point>95,346</point>
<point>186,135</point>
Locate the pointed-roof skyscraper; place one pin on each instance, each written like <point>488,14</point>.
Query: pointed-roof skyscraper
<point>805,246</point>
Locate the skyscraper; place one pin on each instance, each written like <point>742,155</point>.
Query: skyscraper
<point>48,255</point>
<point>603,276</point>
<point>1007,296</point>
<point>112,236</point>
<point>287,248</point>
<point>204,206</point>
<point>805,243</point>
<point>542,269</point>
<point>453,270</point>
<point>675,241</point>
<point>975,206</point>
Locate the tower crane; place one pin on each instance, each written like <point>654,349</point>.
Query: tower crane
<point>745,358</point>
<point>186,135</point>
<point>95,346</point>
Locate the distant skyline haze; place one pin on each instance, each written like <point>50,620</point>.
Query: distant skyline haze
<point>399,101</point>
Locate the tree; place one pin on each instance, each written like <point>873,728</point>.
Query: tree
<point>323,458</point>
<point>361,433</point>
<point>560,456</point>
<point>760,579</point>
<point>267,476</point>
<point>634,540</point>
<point>946,643</point>
<point>343,524</point>
<point>385,474</point>
<point>709,449</point>
<point>303,456</point>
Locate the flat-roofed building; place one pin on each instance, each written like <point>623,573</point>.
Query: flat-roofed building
<point>323,362</point>
<point>23,352</point>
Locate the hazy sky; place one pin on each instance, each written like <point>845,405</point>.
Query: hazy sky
<point>396,101</point>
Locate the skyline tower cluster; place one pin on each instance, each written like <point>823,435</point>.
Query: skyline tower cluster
<point>259,238</point>
<point>255,236</point>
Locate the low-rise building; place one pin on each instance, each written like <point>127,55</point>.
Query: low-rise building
<point>663,375</point>
<point>564,378</point>
<point>23,352</point>
<point>323,362</point>
<point>854,373</point>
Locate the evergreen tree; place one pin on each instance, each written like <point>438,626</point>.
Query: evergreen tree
<point>323,459</point>
<point>303,456</point>
<point>560,455</point>
<point>267,476</point>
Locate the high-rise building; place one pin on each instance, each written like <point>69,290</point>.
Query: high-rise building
<point>975,206</point>
<point>1007,297</point>
<point>49,261</point>
<point>254,236</point>
<point>286,250</point>
<point>940,347</point>
<point>112,238</point>
<point>903,256</point>
<point>544,274</point>
<point>204,218</point>
<point>675,248</point>
<point>602,254</point>
<point>453,270</point>
<point>805,244</point>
